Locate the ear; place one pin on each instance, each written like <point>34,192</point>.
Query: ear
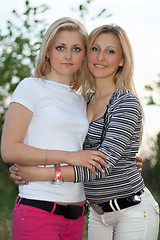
<point>47,55</point>
<point>121,63</point>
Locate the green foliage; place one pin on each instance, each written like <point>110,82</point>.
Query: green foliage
<point>83,10</point>
<point>8,192</point>
<point>154,90</point>
<point>18,51</point>
<point>151,170</point>
<point>19,48</point>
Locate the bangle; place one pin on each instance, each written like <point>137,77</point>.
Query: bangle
<point>58,177</point>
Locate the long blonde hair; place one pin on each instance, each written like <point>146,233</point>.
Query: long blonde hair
<point>124,76</point>
<point>43,66</point>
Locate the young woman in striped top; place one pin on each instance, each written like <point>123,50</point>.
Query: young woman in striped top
<point>121,206</point>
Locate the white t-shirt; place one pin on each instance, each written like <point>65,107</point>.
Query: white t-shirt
<point>59,122</point>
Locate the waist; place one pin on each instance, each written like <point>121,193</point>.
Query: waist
<point>117,204</point>
<point>68,211</point>
<point>66,192</point>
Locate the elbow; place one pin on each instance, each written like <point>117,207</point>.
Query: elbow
<point>5,154</point>
<point>5,157</point>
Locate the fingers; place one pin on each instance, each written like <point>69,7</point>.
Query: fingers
<point>96,165</point>
<point>95,160</point>
<point>17,179</point>
<point>13,168</point>
<point>100,160</point>
<point>100,154</point>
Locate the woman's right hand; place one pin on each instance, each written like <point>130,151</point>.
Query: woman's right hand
<point>13,170</point>
<point>88,159</point>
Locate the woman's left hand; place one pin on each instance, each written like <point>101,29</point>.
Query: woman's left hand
<point>139,163</point>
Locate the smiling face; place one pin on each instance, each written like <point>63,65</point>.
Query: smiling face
<point>66,55</point>
<point>105,56</point>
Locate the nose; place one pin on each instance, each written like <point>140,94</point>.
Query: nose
<point>100,56</point>
<point>68,54</point>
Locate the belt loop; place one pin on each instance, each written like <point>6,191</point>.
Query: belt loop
<point>19,200</point>
<point>83,210</point>
<point>53,209</point>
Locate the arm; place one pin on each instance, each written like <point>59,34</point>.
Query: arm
<point>114,151</point>
<point>123,131</point>
<point>14,150</point>
<point>24,174</point>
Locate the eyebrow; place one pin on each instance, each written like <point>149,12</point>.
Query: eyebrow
<point>77,44</point>
<point>99,45</point>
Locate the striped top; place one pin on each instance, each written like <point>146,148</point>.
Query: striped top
<point>123,119</point>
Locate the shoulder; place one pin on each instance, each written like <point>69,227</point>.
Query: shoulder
<point>126,97</point>
<point>126,101</point>
<point>30,81</point>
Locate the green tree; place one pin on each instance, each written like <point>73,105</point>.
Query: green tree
<point>18,51</point>
<point>151,168</point>
<point>84,10</point>
<point>154,92</point>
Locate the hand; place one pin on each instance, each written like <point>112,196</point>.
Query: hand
<point>139,163</point>
<point>14,175</point>
<point>88,159</point>
<point>24,174</point>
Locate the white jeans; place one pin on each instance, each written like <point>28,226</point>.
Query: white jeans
<point>140,222</point>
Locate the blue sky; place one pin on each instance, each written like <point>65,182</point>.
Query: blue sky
<point>140,19</point>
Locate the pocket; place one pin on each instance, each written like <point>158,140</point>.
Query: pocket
<point>137,211</point>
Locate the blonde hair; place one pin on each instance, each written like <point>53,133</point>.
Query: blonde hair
<point>124,76</point>
<point>43,66</point>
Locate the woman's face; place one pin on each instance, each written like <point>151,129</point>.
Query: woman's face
<point>105,56</point>
<point>66,54</point>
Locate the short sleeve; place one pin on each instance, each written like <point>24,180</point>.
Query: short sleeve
<point>24,93</point>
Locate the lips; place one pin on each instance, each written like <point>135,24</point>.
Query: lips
<point>100,66</point>
<point>67,64</point>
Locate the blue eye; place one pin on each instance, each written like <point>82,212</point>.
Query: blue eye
<point>60,48</point>
<point>95,49</point>
<point>110,51</point>
<point>77,49</point>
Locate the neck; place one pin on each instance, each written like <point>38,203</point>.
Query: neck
<point>104,88</point>
<point>59,79</point>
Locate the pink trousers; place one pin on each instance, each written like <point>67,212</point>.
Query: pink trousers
<point>30,223</point>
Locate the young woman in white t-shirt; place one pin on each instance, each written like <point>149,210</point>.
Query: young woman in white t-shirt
<point>45,125</point>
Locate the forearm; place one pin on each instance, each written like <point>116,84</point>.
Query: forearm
<point>27,155</point>
<point>48,174</point>
<point>34,173</point>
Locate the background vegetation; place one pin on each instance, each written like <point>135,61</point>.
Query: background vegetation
<point>18,50</point>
